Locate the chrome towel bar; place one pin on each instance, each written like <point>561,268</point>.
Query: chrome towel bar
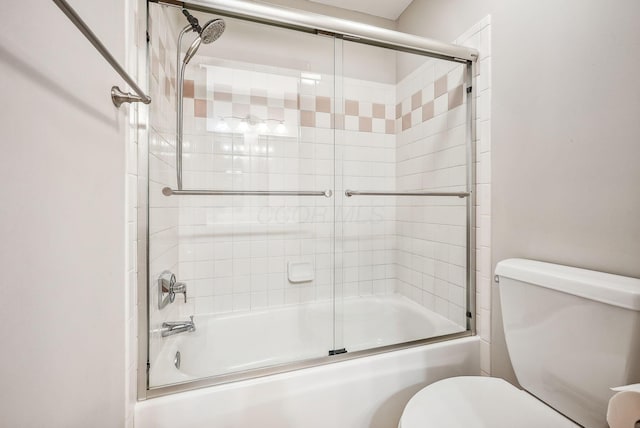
<point>167,191</point>
<point>350,193</point>
<point>117,96</point>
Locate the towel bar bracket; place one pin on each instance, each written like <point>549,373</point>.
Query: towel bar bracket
<point>119,97</point>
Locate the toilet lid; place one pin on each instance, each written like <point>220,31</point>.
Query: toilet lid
<point>474,401</point>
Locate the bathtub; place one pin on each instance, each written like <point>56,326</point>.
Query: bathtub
<point>242,341</point>
<point>366,392</point>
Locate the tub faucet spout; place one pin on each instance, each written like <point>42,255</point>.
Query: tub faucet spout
<point>170,328</point>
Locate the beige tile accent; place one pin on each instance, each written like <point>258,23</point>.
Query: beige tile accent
<point>440,86</point>
<point>456,96</point>
<point>365,124</point>
<point>240,110</point>
<point>323,104</point>
<point>200,108</point>
<point>291,100</point>
<point>378,110</point>
<point>416,100</point>
<point>162,53</point>
<point>222,96</point>
<point>351,108</point>
<point>258,100</point>
<point>167,87</point>
<point>258,92</point>
<point>307,118</point>
<point>291,104</point>
<point>398,110</point>
<point>276,113</point>
<point>406,121</point>
<point>427,111</point>
<point>337,121</point>
<point>390,126</point>
<point>188,89</point>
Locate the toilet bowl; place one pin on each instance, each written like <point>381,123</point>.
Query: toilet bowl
<point>571,334</point>
<point>478,402</point>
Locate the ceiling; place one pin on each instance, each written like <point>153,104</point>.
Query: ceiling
<point>389,9</point>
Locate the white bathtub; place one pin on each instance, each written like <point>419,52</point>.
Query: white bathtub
<point>235,342</point>
<point>367,392</point>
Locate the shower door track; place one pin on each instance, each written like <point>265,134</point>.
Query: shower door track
<point>341,28</point>
<point>353,32</point>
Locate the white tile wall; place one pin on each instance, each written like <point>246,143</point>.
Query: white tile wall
<point>163,211</point>
<point>431,156</point>
<point>234,250</point>
<point>479,37</point>
<point>136,61</point>
<point>365,228</point>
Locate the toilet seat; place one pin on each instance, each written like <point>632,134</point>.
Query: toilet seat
<point>475,401</point>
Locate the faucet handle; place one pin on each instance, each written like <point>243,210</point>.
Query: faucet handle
<point>179,287</point>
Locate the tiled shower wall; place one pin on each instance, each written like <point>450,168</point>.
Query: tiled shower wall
<point>163,211</point>
<point>431,156</point>
<point>365,159</point>
<point>233,250</point>
<point>136,61</point>
<point>479,37</point>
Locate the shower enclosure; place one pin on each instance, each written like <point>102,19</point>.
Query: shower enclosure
<point>310,196</point>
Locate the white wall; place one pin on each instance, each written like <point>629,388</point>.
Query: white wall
<point>62,219</point>
<point>565,108</point>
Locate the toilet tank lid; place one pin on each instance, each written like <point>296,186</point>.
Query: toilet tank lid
<point>603,287</point>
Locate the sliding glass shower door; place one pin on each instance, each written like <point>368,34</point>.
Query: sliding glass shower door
<point>325,208</point>
<point>258,257</point>
<point>402,197</point>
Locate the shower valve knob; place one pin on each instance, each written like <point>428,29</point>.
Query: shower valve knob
<point>179,288</point>
<point>168,287</point>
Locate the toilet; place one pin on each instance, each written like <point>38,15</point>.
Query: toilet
<point>571,334</point>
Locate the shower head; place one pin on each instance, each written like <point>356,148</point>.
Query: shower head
<point>192,50</point>
<point>207,34</point>
<point>212,30</point>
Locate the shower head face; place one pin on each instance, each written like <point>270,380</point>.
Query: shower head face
<point>212,30</point>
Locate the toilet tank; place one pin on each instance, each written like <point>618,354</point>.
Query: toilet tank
<point>571,334</point>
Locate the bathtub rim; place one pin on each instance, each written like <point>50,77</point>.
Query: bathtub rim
<point>262,372</point>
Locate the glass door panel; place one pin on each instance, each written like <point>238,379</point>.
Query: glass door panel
<point>258,117</point>
<point>401,259</point>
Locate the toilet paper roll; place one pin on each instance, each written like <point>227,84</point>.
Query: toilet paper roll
<point>624,407</point>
